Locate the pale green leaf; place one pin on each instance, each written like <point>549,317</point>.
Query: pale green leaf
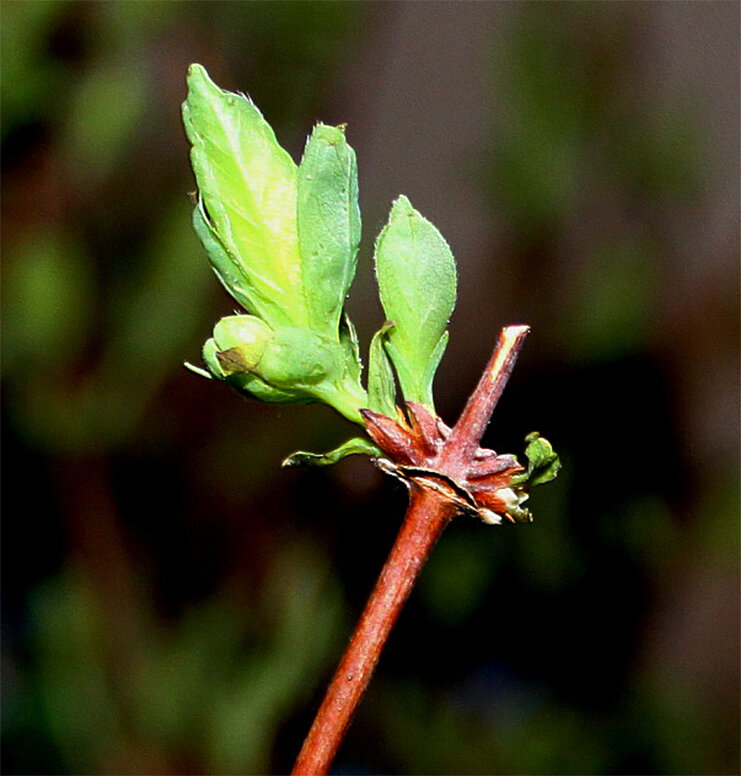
<point>417,283</point>
<point>328,224</point>
<point>355,446</point>
<point>248,186</point>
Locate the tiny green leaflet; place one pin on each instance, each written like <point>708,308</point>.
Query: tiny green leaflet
<point>543,463</point>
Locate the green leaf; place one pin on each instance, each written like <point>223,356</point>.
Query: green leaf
<point>417,283</point>
<point>247,184</point>
<point>328,224</point>
<point>355,446</point>
<point>381,384</point>
<point>294,346</point>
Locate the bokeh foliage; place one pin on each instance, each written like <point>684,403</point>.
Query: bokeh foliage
<point>173,601</point>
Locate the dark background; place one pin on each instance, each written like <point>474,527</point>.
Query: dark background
<point>173,601</point>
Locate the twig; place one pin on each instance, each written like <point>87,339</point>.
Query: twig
<point>428,513</point>
<point>425,519</point>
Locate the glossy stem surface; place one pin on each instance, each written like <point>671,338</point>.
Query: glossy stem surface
<point>426,517</point>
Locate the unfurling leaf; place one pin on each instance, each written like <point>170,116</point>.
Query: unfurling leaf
<point>417,283</point>
<point>355,446</point>
<point>543,463</point>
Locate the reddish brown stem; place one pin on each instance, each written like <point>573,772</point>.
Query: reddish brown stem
<point>467,432</point>
<point>426,517</point>
<point>428,513</point>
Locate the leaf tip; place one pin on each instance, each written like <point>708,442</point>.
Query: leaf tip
<point>195,69</point>
<point>292,461</point>
<point>198,78</point>
<point>402,206</point>
<point>333,136</point>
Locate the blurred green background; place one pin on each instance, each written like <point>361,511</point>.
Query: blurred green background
<point>173,601</point>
